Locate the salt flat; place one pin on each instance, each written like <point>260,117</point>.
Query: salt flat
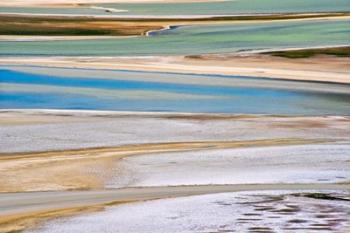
<point>283,164</point>
<point>259,211</point>
<point>22,131</point>
<point>72,150</point>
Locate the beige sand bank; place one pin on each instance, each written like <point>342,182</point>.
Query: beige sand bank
<point>91,168</point>
<point>319,68</point>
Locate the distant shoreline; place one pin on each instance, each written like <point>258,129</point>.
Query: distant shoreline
<point>75,3</point>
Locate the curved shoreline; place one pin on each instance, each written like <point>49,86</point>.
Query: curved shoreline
<point>125,25</point>
<point>166,28</point>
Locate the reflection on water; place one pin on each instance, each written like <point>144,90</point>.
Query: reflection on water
<point>30,90</point>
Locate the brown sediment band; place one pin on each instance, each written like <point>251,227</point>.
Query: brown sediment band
<point>66,25</point>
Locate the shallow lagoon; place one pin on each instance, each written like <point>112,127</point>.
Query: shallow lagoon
<point>33,90</point>
<point>197,40</point>
<point>234,7</point>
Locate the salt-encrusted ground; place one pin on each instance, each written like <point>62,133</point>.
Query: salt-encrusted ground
<point>278,164</point>
<point>269,211</point>
<point>44,130</point>
<point>308,150</point>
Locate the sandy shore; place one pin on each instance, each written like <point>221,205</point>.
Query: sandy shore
<point>319,68</point>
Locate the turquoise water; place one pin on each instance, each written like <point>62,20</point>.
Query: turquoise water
<point>235,7</point>
<point>198,39</point>
<point>204,8</point>
<point>33,90</point>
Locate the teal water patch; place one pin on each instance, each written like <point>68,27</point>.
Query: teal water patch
<point>197,40</point>
<point>234,7</point>
<point>199,8</point>
<point>30,90</point>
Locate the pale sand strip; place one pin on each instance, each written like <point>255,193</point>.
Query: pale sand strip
<point>170,20</point>
<point>318,68</point>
